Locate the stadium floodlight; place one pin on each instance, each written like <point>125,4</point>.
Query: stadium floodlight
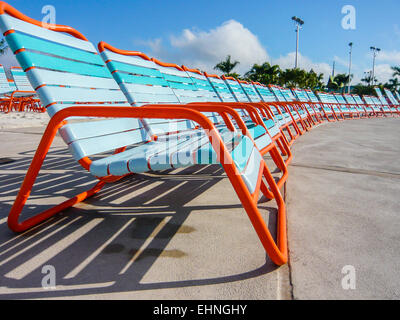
<point>375,52</point>
<point>299,23</point>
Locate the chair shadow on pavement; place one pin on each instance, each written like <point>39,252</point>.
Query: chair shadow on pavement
<point>108,243</point>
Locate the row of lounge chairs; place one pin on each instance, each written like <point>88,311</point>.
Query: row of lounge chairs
<point>17,94</point>
<point>122,112</point>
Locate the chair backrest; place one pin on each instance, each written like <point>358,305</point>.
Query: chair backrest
<point>288,95</point>
<point>301,95</point>
<point>349,99</point>
<point>221,88</point>
<point>20,79</point>
<point>277,92</point>
<point>66,70</point>
<point>311,95</point>
<point>251,93</point>
<point>138,77</point>
<point>190,86</point>
<point>340,99</point>
<point>376,101</point>
<point>397,96</point>
<point>264,92</point>
<point>236,89</point>
<point>380,96</point>
<point>323,97</point>
<point>392,99</point>
<point>368,100</point>
<point>327,98</point>
<point>179,82</point>
<point>358,99</point>
<point>144,82</point>
<point>267,96</point>
<point>332,99</point>
<point>205,90</point>
<point>4,83</point>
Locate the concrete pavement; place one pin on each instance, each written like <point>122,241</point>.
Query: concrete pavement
<point>344,210</point>
<point>171,235</point>
<point>184,235</point>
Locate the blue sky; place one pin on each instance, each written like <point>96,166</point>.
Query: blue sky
<point>200,33</point>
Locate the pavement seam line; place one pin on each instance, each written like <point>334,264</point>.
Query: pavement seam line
<point>288,245</point>
<point>353,171</point>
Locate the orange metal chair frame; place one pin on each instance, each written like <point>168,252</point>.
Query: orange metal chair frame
<point>277,251</point>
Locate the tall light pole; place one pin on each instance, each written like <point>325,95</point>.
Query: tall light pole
<point>375,52</point>
<point>299,24</point>
<point>351,51</point>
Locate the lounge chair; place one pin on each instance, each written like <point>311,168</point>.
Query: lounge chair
<point>382,105</point>
<point>312,111</point>
<point>353,104</point>
<point>11,96</point>
<point>5,90</point>
<point>244,92</point>
<point>234,93</point>
<point>177,86</point>
<point>315,103</point>
<point>24,96</point>
<point>72,81</point>
<point>370,104</point>
<point>269,120</point>
<point>330,111</point>
<point>368,109</point>
<point>294,114</point>
<point>397,96</point>
<point>282,116</point>
<point>346,108</point>
<point>383,102</point>
<point>395,104</point>
<point>296,104</point>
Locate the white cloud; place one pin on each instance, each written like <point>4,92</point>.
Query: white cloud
<point>383,72</point>
<point>204,49</point>
<point>341,62</point>
<point>392,57</point>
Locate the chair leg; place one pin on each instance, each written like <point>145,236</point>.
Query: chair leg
<point>277,251</point>
<point>283,146</point>
<point>279,162</point>
<point>29,181</point>
<point>292,137</point>
<point>19,204</point>
<point>280,146</point>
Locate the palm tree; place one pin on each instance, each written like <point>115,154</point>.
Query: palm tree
<point>227,66</point>
<point>264,73</point>
<point>396,72</point>
<point>339,82</point>
<point>314,80</point>
<point>394,84</point>
<point>361,89</point>
<point>294,78</point>
<point>368,79</point>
